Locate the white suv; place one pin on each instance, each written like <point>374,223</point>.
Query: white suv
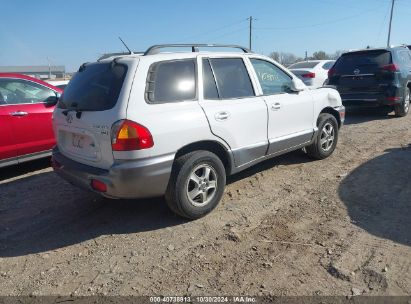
<point>177,123</point>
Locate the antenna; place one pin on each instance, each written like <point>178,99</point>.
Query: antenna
<point>131,53</point>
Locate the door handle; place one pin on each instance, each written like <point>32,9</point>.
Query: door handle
<point>276,106</point>
<point>222,116</point>
<point>19,113</point>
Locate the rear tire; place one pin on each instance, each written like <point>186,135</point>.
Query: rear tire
<point>196,184</point>
<point>326,138</point>
<point>402,109</point>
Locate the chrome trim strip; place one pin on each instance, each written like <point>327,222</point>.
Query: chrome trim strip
<point>358,75</point>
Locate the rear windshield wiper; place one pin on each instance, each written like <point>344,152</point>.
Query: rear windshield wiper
<point>74,107</point>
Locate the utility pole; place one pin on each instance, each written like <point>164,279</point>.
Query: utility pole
<point>48,59</point>
<point>389,30</point>
<point>250,33</point>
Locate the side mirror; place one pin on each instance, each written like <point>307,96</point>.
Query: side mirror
<point>52,100</point>
<point>297,85</point>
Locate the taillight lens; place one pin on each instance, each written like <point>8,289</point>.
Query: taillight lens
<point>308,75</point>
<point>331,72</point>
<point>98,185</point>
<point>391,67</point>
<point>127,135</point>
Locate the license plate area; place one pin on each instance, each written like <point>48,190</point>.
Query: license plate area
<point>80,144</point>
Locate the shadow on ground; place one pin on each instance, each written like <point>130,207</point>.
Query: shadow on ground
<point>24,168</point>
<point>42,212</point>
<point>378,195</point>
<point>358,116</point>
<point>292,158</point>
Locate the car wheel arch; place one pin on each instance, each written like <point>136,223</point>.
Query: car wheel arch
<point>212,146</point>
<point>333,112</point>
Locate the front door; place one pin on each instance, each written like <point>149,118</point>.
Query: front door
<point>291,114</point>
<point>234,112</point>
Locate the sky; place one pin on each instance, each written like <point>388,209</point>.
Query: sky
<point>72,32</point>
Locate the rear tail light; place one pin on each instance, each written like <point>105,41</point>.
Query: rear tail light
<point>393,98</point>
<point>391,67</point>
<point>331,72</point>
<point>98,185</point>
<point>308,75</point>
<point>127,135</point>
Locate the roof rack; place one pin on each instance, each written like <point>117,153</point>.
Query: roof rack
<point>194,47</point>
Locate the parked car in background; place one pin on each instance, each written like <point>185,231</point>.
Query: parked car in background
<point>177,123</point>
<point>374,78</point>
<point>26,107</point>
<point>61,84</point>
<point>314,73</point>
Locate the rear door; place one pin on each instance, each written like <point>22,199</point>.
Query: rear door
<point>87,110</point>
<point>28,114</point>
<point>290,113</point>
<point>361,74</point>
<point>234,112</point>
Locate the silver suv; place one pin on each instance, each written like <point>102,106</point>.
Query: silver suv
<point>177,123</point>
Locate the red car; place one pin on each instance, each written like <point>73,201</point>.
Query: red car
<point>26,107</point>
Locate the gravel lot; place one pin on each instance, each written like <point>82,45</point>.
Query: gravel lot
<point>289,226</point>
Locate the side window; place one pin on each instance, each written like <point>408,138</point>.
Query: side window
<point>210,86</point>
<point>232,78</point>
<point>404,58</point>
<point>171,81</point>
<point>272,79</point>
<point>16,91</point>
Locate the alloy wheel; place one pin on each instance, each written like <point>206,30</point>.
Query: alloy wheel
<point>202,185</point>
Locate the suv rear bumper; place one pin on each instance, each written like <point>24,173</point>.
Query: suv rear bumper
<point>391,96</point>
<point>125,179</point>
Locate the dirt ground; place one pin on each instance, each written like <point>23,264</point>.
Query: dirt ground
<point>289,226</point>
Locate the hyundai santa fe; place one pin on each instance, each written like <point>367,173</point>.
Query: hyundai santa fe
<point>177,123</point>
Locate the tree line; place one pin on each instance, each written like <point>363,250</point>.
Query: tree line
<point>290,58</point>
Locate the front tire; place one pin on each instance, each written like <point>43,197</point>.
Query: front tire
<point>326,139</point>
<point>402,109</point>
<point>196,184</point>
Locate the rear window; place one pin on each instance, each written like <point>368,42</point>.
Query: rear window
<point>365,62</point>
<point>304,65</point>
<point>95,87</point>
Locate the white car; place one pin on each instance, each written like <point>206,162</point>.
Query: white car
<point>177,123</point>
<point>314,73</point>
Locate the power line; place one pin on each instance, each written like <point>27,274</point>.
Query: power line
<point>216,29</point>
<point>230,33</point>
<point>316,24</point>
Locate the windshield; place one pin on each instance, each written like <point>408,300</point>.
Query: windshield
<point>95,87</point>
